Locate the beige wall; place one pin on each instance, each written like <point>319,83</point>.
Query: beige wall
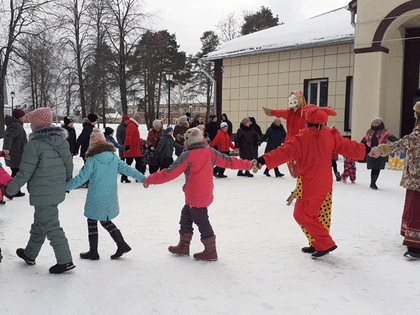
<point>266,80</point>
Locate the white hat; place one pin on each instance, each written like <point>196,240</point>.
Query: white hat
<point>223,125</point>
<point>193,135</point>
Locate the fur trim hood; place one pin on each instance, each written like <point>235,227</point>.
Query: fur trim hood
<point>48,132</point>
<point>100,148</point>
<point>134,121</point>
<point>178,123</point>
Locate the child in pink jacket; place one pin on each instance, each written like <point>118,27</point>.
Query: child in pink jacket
<point>197,162</point>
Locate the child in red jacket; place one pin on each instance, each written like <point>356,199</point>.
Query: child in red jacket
<point>197,164</point>
<point>223,142</point>
<point>312,148</point>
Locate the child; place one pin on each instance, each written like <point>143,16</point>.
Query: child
<point>312,148</point>
<point>5,178</point>
<point>46,166</point>
<point>109,136</point>
<point>197,164</point>
<point>165,148</point>
<point>223,143</point>
<point>101,169</point>
<point>349,170</point>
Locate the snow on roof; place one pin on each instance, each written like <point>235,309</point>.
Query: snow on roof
<point>328,28</point>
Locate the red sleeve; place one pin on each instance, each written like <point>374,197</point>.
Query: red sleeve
<point>290,150</point>
<point>149,136</point>
<point>177,168</point>
<point>215,140</point>
<point>349,148</point>
<point>231,144</point>
<point>280,113</point>
<point>225,161</point>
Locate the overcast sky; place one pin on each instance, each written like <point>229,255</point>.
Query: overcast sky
<point>189,19</point>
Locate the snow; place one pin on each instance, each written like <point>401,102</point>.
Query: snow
<point>328,28</point>
<point>261,269</point>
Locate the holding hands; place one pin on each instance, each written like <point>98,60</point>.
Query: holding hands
<point>381,150</point>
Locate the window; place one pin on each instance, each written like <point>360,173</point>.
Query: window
<point>349,104</point>
<point>316,92</point>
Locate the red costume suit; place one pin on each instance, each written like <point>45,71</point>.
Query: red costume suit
<point>312,149</point>
<point>295,121</point>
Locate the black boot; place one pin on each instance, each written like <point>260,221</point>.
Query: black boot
<point>122,245</point>
<point>373,179</point>
<point>277,172</point>
<point>124,179</point>
<point>248,174</point>
<point>337,176</point>
<point>308,249</point>
<point>21,253</point>
<point>266,173</point>
<point>240,173</point>
<point>92,254</point>
<point>60,268</point>
<point>216,171</point>
<point>221,173</point>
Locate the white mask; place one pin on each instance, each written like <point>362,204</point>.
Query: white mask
<point>293,101</point>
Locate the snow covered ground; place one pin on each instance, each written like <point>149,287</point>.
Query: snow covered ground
<point>260,270</point>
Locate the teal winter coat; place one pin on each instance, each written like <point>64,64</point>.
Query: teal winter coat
<point>101,169</point>
<point>42,167</point>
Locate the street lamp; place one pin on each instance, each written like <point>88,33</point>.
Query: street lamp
<point>12,95</point>
<point>169,78</point>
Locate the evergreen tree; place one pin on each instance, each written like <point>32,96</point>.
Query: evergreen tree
<point>258,21</point>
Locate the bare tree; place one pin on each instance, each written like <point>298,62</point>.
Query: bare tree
<point>16,20</point>
<point>228,27</point>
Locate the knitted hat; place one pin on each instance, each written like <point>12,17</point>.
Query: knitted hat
<point>17,113</point>
<point>377,121</point>
<point>318,115</point>
<point>96,137</point>
<point>417,107</point>
<point>157,123</point>
<point>137,118</point>
<point>245,120</point>
<point>183,119</point>
<point>92,117</point>
<point>108,131</point>
<point>193,135</point>
<point>223,125</point>
<point>169,129</point>
<point>125,118</point>
<point>67,121</point>
<point>41,117</point>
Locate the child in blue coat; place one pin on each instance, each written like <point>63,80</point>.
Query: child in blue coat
<point>101,169</point>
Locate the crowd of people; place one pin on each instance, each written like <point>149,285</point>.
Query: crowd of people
<point>203,151</point>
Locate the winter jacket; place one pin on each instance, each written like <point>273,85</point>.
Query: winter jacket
<point>275,135</point>
<point>71,139</point>
<point>410,144</point>
<point>246,139</point>
<point>312,149</point>
<point>121,134</point>
<point>153,137</point>
<point>42,167</point>
<point>295,120</point>
<point>179,131</point>
<point>14,140</point>
<point>165,147</point>
<point>256,127</point>
<point>382,136</point>
<point>212,128</point>
<point>197,163</point>
<point>115,143</point>
<point>222,141</point>
<point>101,169</point>
<point>84,137</point>
<point>133,139</point>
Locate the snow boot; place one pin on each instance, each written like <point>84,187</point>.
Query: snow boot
<point>209,253</point>
<point>124,179</point>
<point>183,247</point>
<point>60,268</point>
<point>92,254</point>
<point>323,252</point>
<point>277,172</point>
<point>21,253</point>
<point>337,176</point>
<point>266,173</point>
<point>240,173</point>
<point>122,245</point>
<point>248,174</point>
<point>412,252</point>
<point>216,171</point>
<point>373,179</point>
<point>222,173</point>
<point>308,249</point>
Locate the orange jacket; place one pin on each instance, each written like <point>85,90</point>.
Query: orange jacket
<point>222,141</point>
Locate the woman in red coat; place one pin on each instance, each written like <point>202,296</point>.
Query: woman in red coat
<point>133,143</point>
<point>223,142</point>
<point>312,148</point>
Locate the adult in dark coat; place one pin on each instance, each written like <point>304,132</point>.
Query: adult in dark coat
<point>258,130</point>
<point>165,148</point>
<point>83,140</point>
<point>181,127</point>
<point>71,135</point>
<point>15,140</point>
<point>275,136</point>
<point>121,135</point>
<point>246,139</point>
<point>198,120</point>
<point>212,127</point>
<point>225,119</point>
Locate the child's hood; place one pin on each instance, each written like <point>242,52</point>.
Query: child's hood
<point>105,157</point>
<point>102,152</point>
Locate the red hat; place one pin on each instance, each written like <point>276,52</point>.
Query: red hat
<point>17,113</point>
<point>125,118</point>
<point>41,117</point>
<point>318,115</point>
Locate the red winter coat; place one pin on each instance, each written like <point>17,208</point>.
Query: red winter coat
<point>295,120</point>
<point>133,140</point>
<point>312,149</point>
<point>197,163</point>
<point>222,141</point>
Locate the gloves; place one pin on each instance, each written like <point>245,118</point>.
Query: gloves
<point>127,148</point>
<point>144,184</point>
<point>267,111</point>
<point>384,149</point>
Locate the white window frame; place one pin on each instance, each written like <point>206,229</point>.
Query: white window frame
<point>318,82</point>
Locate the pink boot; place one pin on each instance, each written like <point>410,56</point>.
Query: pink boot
<point>183,247</point>
<point>209,253</point>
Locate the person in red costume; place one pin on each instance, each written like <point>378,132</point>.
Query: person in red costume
<point>312,148</point>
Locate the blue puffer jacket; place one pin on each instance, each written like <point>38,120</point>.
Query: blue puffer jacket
<point>101,169</point>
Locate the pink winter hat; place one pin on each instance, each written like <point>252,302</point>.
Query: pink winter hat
<point>96,137</point>
<point>41,117</point>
